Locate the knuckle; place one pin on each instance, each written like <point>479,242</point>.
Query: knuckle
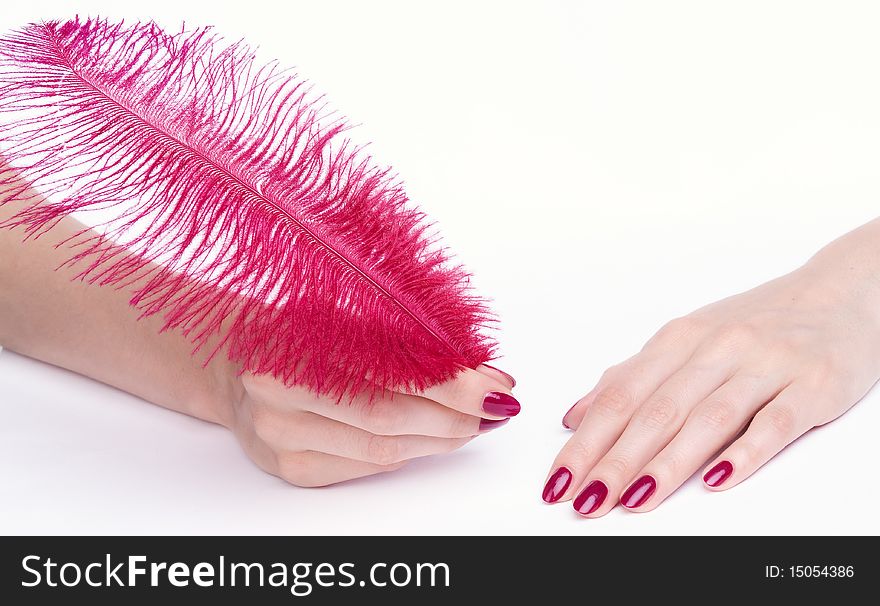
<point>460,390</point>
<point>255,384</point>
<point>578,451</point>
<point>734,336</point>
<point>612,374</point>
<point>676,329</point>
<point>613,401</point>
<point>783,350</point>
<point>268,425</point>
<point>717,414</point>
<point>826,373</point>
<point>383,450</point>
<point>296,470</point>
<point>672,463</point>
<point>659,412</point>
<point>383,418</point>
<point>618,464</point>
<point>463,425</point>
<point>837,361</point>
<point>267,387</point>
<point>782,419</point>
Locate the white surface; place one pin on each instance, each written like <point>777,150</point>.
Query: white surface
<point>601,167</point>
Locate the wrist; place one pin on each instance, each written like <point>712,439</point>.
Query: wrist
<point>848,271</point>
<point>223,390</point>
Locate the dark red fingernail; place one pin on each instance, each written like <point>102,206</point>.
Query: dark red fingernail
<point>509,376</point>
<point>490,424</point>
<point>591,498</point>
<point>556,485</point>
<point>718,474</point>
<point>565,416</point>
<point>638,492</point>
<point>501,404</point>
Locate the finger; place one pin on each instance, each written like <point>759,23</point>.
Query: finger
<point>497,374</point>
<point>775,426</point>
<point>651,427</point>
<point>643,373</point>
<point>476,394</point>
<point>308,468</point>
<point>472,393</point>
<point>662,355</point>
<point>401,414</point>
<point>620,391</point>
<point>573,417</point>
<point>311,469</point>
<point>314,432</point>
<point>386,414</point>
<point>713,423</point>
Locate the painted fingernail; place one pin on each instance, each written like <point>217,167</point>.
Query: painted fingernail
<point>556,485</point>
<point>490,424</point>
<point>509,376</point>
<point>718,474</point>
<point>591,498</point>
<point>639,492</point>
<point>501,404</point>
<point>565,416</point>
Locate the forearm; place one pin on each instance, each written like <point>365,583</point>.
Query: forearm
<point>93,331</point>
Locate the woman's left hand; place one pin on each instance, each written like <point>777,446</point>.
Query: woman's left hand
<point>778,360</point>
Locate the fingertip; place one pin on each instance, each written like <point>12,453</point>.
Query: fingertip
<point>501,404</point>
<point>716,477</point>
<point>638,494</point>
<point>650,505</point>
<point>565,417</point>
<point>599,513</point>
<point>475,393</point>
<point>575,415</point>
<point>588,502</point>
<point>557,485</point>
<point>487,425</point>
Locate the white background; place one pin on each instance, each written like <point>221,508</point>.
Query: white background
<point>601,167</point>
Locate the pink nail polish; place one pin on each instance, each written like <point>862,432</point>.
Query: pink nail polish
<point>501,404</point>
<point>591,497</point>
<point>556,485</point>
<point>565,416</point>
<point>509,377</point>
<point>718,474</point>
<point>639,492</point>
<point>490,424</point>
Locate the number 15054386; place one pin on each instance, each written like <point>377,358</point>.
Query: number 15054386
<point>802,571</point>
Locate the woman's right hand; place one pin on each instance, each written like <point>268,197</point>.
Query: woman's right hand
<point>303,438</point>
<point>311,440</point>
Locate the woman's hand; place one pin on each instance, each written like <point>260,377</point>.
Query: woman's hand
<point>305,439</point>
<point>314,441</point>
<point>778,360</point>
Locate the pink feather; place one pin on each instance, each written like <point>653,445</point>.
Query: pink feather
<point>238,209</point>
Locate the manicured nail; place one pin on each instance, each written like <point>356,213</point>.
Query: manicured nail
<point>556,485</point>
<point>718,474</point>
<point>501,404</point>
<point>638,492</point>
<point>591,498</point>
<point>490,424</point>
<point>509,376</point>
<point>565,416</point>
